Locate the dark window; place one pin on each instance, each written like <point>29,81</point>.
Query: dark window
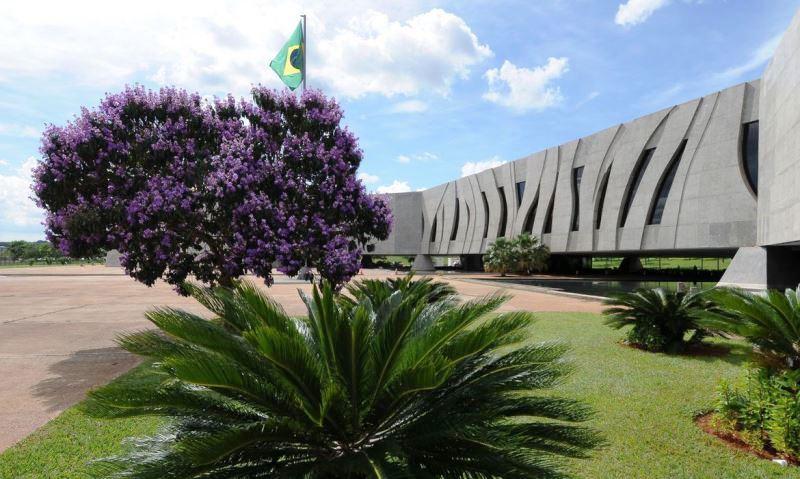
<point>548,219</point>
<point>520,192</point>
<point>750,153</point>
<point>501,230</point>
<point>485,214</point>
<point>602,199</point>
<point>663,189</point>
<point>433,230</point>
<point>531,216</point>
<point>455,222</point>
<point>638,173</point>
<point>577,173</point>
<point>370,248</point>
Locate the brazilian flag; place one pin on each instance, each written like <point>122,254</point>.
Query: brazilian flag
<point>288,63</point>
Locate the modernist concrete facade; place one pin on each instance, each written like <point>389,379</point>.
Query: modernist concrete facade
<point>680,181</point>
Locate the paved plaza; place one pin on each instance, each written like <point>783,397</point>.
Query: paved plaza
<point>57,329</point>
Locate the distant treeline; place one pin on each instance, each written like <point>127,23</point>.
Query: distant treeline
<point>35,252</point>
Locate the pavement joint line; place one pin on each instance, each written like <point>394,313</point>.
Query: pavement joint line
<point>61,355</point>
<point>58,355</point>
<point>56,275</point>
<point>44,314</point>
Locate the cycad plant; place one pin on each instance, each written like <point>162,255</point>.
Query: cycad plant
<point>660,320</point>
<point>770,322</point>
<point>398,380</point>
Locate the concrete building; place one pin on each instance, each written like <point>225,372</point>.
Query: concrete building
<point>718,175</point>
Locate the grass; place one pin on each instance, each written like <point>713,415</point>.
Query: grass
<point>708,264</point>
<point>28,264</point>
<point>63,447</point>
<point>646,403</point>
<point>645,406</point>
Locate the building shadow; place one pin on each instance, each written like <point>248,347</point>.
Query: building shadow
<point>73,376</point>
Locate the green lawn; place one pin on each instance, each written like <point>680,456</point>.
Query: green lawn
<point>645,404</point>
<point>27,264</point>
<point>708,264</point>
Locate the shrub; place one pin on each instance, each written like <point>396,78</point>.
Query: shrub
<point>523,254</point>
<point>500,256</point>
<point>399,380</point>
<point>215,189</point>
<point>771,323</point>
<point>659,319</point>
<point>764,408</point>
<point>532,256</point>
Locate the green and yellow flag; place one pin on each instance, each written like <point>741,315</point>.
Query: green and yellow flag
<point>288,63</point>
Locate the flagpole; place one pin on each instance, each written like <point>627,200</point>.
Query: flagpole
<point>305,50</point>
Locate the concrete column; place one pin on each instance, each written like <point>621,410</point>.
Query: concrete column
<point>758,268</point>
<point>112,259</point>
<point>422,262</point>
<point>631,264</point>
<point>748,269</point>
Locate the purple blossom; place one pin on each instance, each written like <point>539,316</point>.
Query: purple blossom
<point>217,189</point>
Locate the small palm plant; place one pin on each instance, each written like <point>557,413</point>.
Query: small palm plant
<point>533,255</point>
<point>770,322</point>
<point>501,256</point>
<point>660,319</point>
<point>397,379</point>
<point>378,291</point>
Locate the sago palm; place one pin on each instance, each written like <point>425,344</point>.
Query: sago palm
<point>377,291</point>
<point>770,322</point>
<point>659,319</point>
<point>400,380</point>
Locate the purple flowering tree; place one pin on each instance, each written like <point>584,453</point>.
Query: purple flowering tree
<point>181,186</point>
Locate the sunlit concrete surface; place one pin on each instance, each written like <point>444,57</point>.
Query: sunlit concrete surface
<point>57,329</point>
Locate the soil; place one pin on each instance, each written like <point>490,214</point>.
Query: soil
<point>734,441</point>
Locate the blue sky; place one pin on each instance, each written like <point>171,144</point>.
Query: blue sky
<point>432,89</point>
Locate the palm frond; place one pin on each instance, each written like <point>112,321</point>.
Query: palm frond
<point>771,323</point>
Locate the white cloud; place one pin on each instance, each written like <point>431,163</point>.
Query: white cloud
<point>395,187</point>
<point>3,162</point>
<point>756,59</point>
<point>225,46</point>
<point>23,131</point>
<point>368,179</point>
<point>472,167</point>
<point>409,106</point>
<point>374,54</point>
<point>16,208</point>
<point>634,12</point>
<point>424,156</point>
<point>591,96</point>
<point>523,89</point>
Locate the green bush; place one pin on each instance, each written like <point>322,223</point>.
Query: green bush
<point>771,323</point>
<point>523,254</point>
<point>391,379</point>
<point>500,256</point>
<point>764,408</point>
<point>660,320</point>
